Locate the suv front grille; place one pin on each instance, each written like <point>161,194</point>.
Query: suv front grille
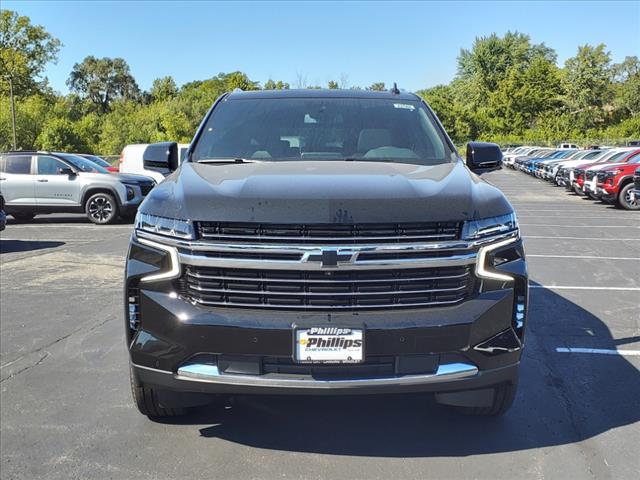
<point>326,290</point>
<point>146,188</point>
<point>326,234</point>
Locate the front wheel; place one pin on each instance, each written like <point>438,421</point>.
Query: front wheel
<point>101,208</point>
<point>625,198</point>
<point>146,399</point>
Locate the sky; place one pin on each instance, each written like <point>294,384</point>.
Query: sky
<point>412,43</point>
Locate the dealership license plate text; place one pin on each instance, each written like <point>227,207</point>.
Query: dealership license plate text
<point>329,345</point>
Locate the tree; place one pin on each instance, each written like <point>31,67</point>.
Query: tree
<point>333,85</point>
<point>34,110</point>
<point>238,80</point>
<point>627,85</point>
<point>103,80</point>
<point>377,87</point>
<point>272,85</point>
<point>25,49</point>
<point>163,89</point>
<point>60,134</point>
<point>588,84</point>
<point>490,58</point>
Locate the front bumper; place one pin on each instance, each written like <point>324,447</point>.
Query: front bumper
<point>448,378</point>
<point>179,346</point>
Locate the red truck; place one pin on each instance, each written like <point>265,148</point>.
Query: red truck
<point>615,184</point>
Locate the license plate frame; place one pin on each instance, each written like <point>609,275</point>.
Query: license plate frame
<point>332,351</point>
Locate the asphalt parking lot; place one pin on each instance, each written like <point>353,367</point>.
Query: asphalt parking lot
<point>66,409</point>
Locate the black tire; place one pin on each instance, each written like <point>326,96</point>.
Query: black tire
<point>23,217</point>
<point>101,208</point>
<point>146,400</point>
<point>624,198</point>
<point>502,400</point>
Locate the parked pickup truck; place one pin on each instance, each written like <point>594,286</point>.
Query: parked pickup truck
<point>324,242</point>
<point>615,184</point>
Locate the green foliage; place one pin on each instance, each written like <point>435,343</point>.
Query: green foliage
<point>60,134</point>
<point>627,86</point>
<point>163,89</point>
<point>272,85</point>
<point>588,85</point>
<point>507,89</point>
<point>510,90</point>
<point>102,81</point>
<point>25,49</point>
<point>377,87</point>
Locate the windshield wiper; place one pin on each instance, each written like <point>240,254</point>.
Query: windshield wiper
<point>228,160</point>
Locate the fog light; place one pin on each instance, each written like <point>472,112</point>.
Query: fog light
<point>519,315</point>
<point>503,342</point>
<point>133,303</point>
<point>130,193</point>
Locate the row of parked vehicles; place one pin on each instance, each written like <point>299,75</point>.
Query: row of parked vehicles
<point>602,173</point>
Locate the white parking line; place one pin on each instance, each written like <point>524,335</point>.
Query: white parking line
<point>572,216</point>
<point>599,351</point>
<point>64,225</point>
<point>571,287</point>
<point>609,239</point>
<point>594,257</point>
<point>576,226</point>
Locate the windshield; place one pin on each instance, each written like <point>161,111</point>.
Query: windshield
<point>323,129</point>
<point>83,164</point>
<point>97,160</point>
<point>614,156</point>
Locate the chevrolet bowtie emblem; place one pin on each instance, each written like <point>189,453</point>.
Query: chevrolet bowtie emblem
<point>329,258</point>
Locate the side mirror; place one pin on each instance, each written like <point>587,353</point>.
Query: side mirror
<point>66,171</point>
<point>161,157</point>
<point>483,157</point>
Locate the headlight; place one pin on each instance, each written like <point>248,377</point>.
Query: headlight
<point>475,229</point>
<point>131,193</point>
<point>171,227</point>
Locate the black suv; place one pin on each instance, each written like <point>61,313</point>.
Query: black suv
<point>324,242</point>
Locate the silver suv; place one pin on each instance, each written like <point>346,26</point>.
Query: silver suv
<point>48,182</point>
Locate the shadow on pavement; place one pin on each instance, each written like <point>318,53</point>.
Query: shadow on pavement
<point>79,219</point>
<point>562,399</point>
<point>13,246</point>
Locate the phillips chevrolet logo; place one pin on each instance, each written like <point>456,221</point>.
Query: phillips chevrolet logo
<point>329,257</point>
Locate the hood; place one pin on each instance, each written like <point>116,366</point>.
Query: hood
<point>119,177</point>
<point>131,178</point>
<point>325,192</point>
<point>618,166</point>
<point>600,166</point>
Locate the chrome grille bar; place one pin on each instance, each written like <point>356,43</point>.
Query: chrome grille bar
<point>328,307</point>
<point>328,294</point>
<point>327,280</point>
